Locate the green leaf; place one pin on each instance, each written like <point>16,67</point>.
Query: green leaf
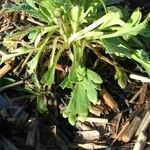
<point>84,92</point>
<point>131,28</point>
<point>72,119</point>
<point>36,13</point>
<point>32,4</point>
<point>17,52</point>
<point>121,76</point>
<point>66,83</point>
<point>41,105</point>
<point>142,58</point>
<point>92,95</point>
<point>117,47</point>
<point>103,20</point>
<point>49,77</point>
<point>36,81</point>
<point>113,2</point>
<point>32,36</point>
<point>92,76</point>
<point>32,64</point>
<point>11,41</point>
<point>78,105</point>
<point>91,89</point>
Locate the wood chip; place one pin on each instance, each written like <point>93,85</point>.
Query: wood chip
<point>142,94</point>
<point>136,95</point>
<point>122,131</point>
<point>5,69</point>
<point>119,115</point>
<point>93,146</point>
<point>140,143</point>
<point>108,100</point>
<point>144,124</point>
<point>97,120</point>
<point>83,126</point>
<point>140,78</point>
<point>91,135</point>
<point>135,123</point>
<point>96,110</point>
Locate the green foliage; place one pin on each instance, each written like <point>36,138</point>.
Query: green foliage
<point>121,76</point>
<point>83,93</point>
<point>71,26</point>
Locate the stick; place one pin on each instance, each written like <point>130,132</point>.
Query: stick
<point>131,129</point>
<point>141,141</point>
